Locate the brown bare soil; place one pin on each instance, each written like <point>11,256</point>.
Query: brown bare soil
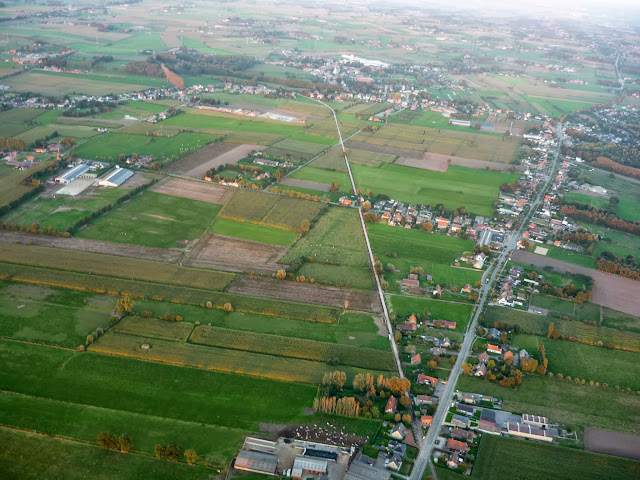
<point>323,187</point>
<point>613,291</point>
<point>612,443</point>
<point>95,246</point>
<point>137,180</point>
<point>196,159</point>
<point>398,152</point>
<point>236,255</point>
<point>205,192</point>
<point>305,292</point>
<point>237,153</point>
<point>439,162</point>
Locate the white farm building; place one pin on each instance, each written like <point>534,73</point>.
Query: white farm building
<point>72,174</point>
<point>115,177</point>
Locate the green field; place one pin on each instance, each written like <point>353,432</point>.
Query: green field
<point>334,160</point>
<point>112,145</point>
<point>256,233</point>
<point>118,383</point>
<point>154,220</point>
<point>571,257</point>
<point>43,314</point>
<point>61,212</point>
<point>437,309</point>
<point>360,326</point>
<point>336,243</point>
<point>539,325</point>
<point>433,252</point>
<point>214,121</point>
<point>614,367</point>
<point>97,264</point>
<point>30,456</point>
<point>270,210</point>
<point>501,457</point>
<point>587,200</point>
<point>10,187</point>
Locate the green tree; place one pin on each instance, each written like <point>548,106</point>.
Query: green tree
<point>125,443</point>
<point>190,454</point>
<point>304,225</point>
<point>125,305</point>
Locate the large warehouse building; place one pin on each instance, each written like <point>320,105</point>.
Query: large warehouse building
<point>115,177</point>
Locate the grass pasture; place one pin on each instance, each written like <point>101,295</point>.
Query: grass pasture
<point>14,122</point>
<point>10,187</point>
<point>98,264</point>
<point>176,294</point>
<point>32,456</point>
<point>155,328</point>
<point>352,329</point>
<point>336,244</point>
<point>292,348</point>
<point>102,381</point>
<point>270,210</point>
<point>539,325</point>
<point>502,457</point>
<point>112,145</point>
<point>211,358</point>
<point>50,315</point>
<point>333,159</point>
<point>61,212</point>
<point>155,220</point>
<point>254,232</point>
<point>436,309</point>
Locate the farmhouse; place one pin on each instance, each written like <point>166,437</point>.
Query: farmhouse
<point>486,426</point>
<point>424,400</point>
<point>462,434</point>
<point>257,462</point>
<point>72,173</point>
<point>466,409</point>
<point>392,405</point>
<point>481,370</point>
<point>527,431</point>
<point>115,177</point>
<point>308,465</point>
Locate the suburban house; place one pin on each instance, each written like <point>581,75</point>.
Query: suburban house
<point>460,421</point>
<point>466,289</point>
<point>416,359</point>
<point>407,327</point>
<point>438,351</point>
<point>393,463</point>
<point>466,409</point>
<point>457,446</point>
<point>480,370</point>
<point>486,426</point>
<point>426,380</point>
<point>392,405</point>
<point>494,333</point>
<point>483,357</point>
<point>424,400</point>
<point>494,349</point>
<point>506,355</point>
<point>454,460</point>
<point>426,420</point>
<point>398,432</point>
<point>466,435</point>
<point>396,448</point>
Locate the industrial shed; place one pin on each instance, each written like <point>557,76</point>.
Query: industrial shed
<point>258,462</point>
<point>72,174</point>
<point>115,177</point>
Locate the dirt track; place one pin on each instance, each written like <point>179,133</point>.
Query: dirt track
<point>236,255</point>
<point>171,255</point>
<point>205,192</point>
<point>612,443</point>
<point>439,162</point>
<point>305,292</point>
<point>306,184</point>
<point>611,291</point>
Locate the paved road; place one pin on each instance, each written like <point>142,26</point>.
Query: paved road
<point>493,273</point>
<point>385,313</point>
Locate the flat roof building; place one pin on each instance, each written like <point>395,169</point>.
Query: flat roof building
<point>115,177</point>
<point>258,462</point>
<point>72,173</point>
<point>308,465</point>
